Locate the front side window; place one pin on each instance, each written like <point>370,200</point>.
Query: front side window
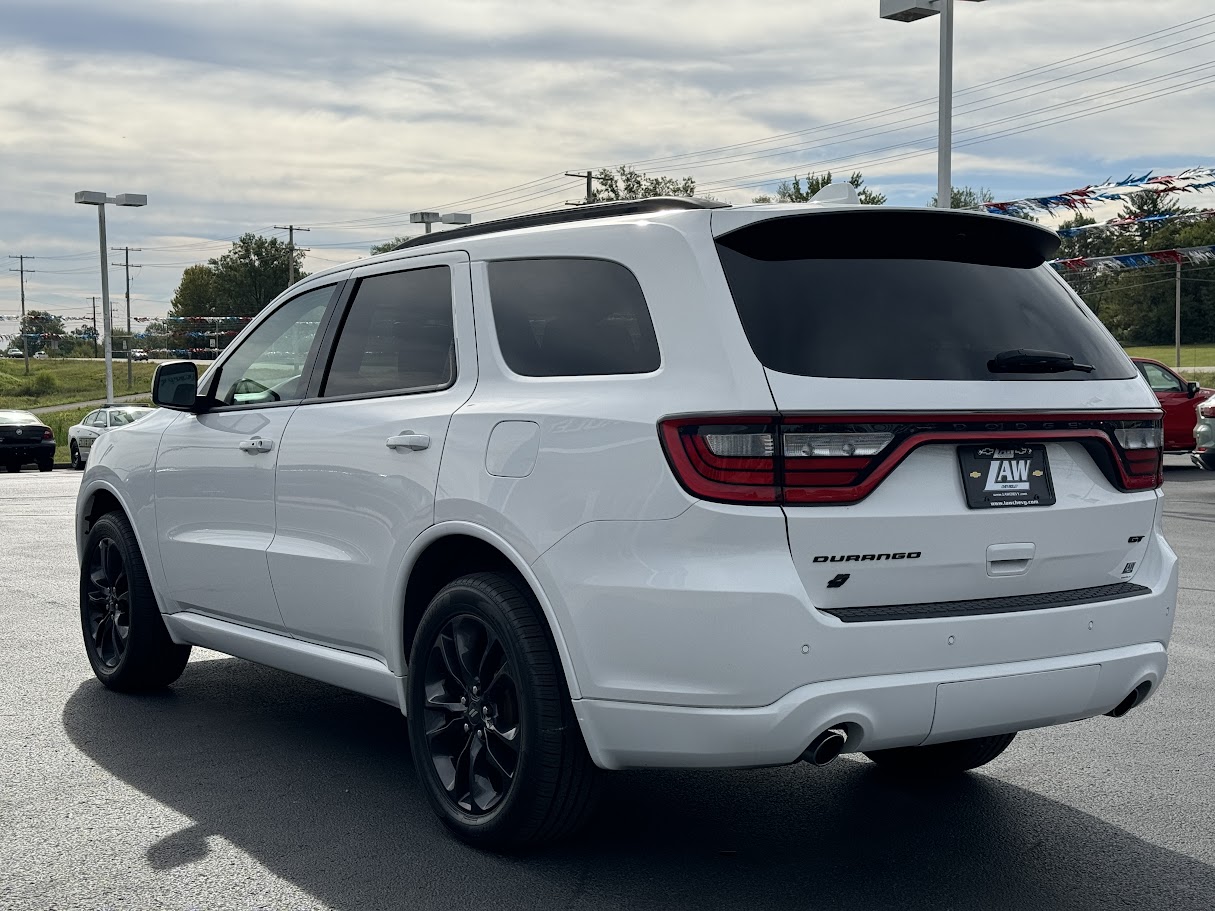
<point>571,317</point>
<point>398,336</point>
<point>1160,379</point>
<point>268,366</point>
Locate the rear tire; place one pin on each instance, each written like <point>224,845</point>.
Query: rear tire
<point>12,467</point>
<point>505,768</point>
<point>124,635</point>
<point>46,465</point>
<point>941,759</point>
<point>77,462</point>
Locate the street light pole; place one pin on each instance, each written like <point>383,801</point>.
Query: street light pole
<point>912,11</point>
<point>945,111</point>
<point>95,198</point>
<point>106,317</point>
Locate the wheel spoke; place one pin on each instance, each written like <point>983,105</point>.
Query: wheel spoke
<point>501,678</point>
<point>508,737</point>
<point>467,636</point>
<point>446,648</point>
<point>488,752</point>
<point>111,560</point>
<point>99,631</point>
<point>98,578</point>
<point>490,660</point>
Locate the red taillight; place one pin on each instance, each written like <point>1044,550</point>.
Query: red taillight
<point>730,462</point>
<point>829,459</point>
<point>48,434</point>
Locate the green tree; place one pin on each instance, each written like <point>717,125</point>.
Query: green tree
<point>39,327</point>
<point>388,245</point>
<point>252,274</point>
<point>793,192</point>
<point>967,198</point>
<point>1148,203</point>
<point>626,183</point>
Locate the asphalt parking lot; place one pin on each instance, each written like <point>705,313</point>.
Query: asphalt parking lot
<point>246,788</point>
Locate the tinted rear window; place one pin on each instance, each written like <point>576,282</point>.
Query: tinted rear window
<point>571,317</point>
<point>906,295</point>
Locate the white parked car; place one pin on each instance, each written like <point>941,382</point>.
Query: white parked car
<point>659,483</point>
<point>82,436</point>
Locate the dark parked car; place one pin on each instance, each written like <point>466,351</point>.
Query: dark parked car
<point>25,439</point>
<point>1180,400</point>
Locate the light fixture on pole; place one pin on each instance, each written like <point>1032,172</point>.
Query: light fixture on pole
<point>94,198</point>
<point>911,11</point>
<point>449,218</point>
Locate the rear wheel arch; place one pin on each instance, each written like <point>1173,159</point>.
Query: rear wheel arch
<point>100,502</point>
<point>443,554</point>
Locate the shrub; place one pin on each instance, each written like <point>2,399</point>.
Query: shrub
<point>43,383</point>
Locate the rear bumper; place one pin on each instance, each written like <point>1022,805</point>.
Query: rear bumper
<point>25,453</point>
<point>878,712</point>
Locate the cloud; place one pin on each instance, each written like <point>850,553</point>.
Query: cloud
<point>237,117</point>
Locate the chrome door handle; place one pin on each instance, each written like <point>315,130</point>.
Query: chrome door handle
<point>257,444</point>
<point>414,441</point>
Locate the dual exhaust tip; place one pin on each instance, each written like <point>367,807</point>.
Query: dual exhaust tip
<point>828,745</point>
<point>825,747</point>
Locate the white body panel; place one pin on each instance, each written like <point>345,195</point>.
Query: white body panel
<point>348,506</point>
<point>690,633</point>
<point>215,513</point>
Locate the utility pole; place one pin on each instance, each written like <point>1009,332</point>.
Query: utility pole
<point>94,325</point>
<point>291,229</point>
<point>1177,318</point>
<point>25,342</point>
<point>590,188</point>
<point>126,263</point>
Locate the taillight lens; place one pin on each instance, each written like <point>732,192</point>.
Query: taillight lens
<point>48,434</point>
<point>1141,446</point>
<point>833,459</point>
<point>729,462</point>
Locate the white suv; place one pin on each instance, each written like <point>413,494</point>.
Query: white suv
<point>661,483</point>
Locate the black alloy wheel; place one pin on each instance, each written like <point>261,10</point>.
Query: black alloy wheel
<point>77,462</point>
<point>473,732</point>
<point>108,605</point>
<point>125,637</point>
<point>495,743</point>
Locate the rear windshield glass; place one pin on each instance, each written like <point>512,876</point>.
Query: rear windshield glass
<point>907,295</point>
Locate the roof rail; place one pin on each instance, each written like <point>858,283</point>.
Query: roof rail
<point>565,216</point>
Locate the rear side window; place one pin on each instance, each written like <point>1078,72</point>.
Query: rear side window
<point>398,336</point>
<point>907,295</point>
<point>571,317</point>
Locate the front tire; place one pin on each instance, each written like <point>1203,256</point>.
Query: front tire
<point>77,462</point>
<point>942,759</point>
<point>124,635</point>
<point>492,731</point>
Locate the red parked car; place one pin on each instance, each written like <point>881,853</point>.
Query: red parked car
<point>1179,399</point>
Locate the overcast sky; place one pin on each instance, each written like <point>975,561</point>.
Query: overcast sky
<point>235,117</point>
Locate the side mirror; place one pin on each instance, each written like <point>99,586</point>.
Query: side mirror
<point>1193,388</point>
<point>175,385</point>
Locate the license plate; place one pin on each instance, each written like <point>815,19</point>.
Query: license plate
<point>1006,476</point>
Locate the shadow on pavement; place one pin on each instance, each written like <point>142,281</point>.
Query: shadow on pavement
<point>317,786</point>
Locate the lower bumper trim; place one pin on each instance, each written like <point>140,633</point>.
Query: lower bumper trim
<point>1015,603</point>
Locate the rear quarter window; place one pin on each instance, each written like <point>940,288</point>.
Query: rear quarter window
<point>571,317</point>
<point>907,295</point>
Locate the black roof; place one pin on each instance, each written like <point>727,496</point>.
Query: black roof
<point>565,216</point>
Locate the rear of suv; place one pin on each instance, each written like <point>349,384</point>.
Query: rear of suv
<point>656,484</point>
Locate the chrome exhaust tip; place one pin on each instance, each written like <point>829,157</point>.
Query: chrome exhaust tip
<point>825,747</point>
<point>1133,698</point>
